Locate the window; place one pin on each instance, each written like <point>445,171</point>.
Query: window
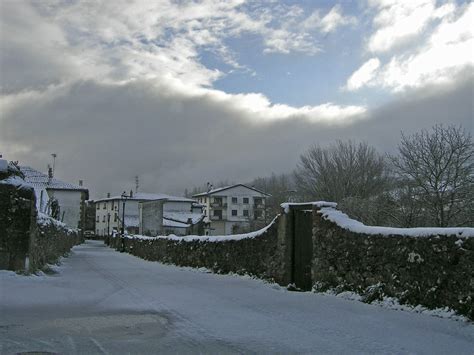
<point>97,220</point>
<point>246,200</point>
<point>257,214</point>
<point>112,205</point>
<point>246,213</point>
<point>218,214</point>
<point>257,200</point>
<point>116,207</point>
<point>105,205</point>
<point>234,212</point>
<point>97,232</point>
<point>234,200</point>
<point>103,219</point>
<point>98,205</point>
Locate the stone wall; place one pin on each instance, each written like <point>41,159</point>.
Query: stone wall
<point>260,255</point>
<point>435,270</point>
<point>49,241</point>
<point>26,242</point>
<point>431,270</point>
<point>16,206</point>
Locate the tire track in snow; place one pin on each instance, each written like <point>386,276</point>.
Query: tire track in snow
<point>322,332</point>
<point>188,329</point>
<point>98,345</point>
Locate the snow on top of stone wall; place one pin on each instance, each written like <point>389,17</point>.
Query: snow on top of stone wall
<point>319,204</point>
<point>44,220</point>
<point>207,238</point>
<point>343,221</point>
<point>16,181</point>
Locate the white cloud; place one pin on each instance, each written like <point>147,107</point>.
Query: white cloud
<point>259,109</point>
<point>174,140</point>
<point>363,75</point>
<point>284,41</point>
<point>445,52</point>
<point>160,42</point>
<point>329,22</point>
<point>399,22</point>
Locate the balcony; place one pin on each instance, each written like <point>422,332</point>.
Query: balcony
<point>216,218</point>
<point>218,205</point>
<point>258,206</point>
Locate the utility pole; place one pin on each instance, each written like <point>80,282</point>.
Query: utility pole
<point>54,155</point>
<point>108,224</point>
<point>124,197</point>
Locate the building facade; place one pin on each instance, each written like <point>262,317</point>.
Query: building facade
<point>233,209</point>
<point>177,211</point>
<point>70,197</point>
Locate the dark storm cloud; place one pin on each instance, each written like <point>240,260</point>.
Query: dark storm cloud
<point>107,134</point>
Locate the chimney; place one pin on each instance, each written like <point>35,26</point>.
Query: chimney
<point>50,172</point>
<point>80,182</point>
<point>131,193</point>
<point>108,194</point>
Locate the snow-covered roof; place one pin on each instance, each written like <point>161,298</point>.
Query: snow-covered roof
<point>40,180</point>
<point>143,196</point>
<point>183,216</point>
<point>174,224</point>
<point>220,189</point>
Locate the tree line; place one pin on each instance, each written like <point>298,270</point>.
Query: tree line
<point>429,182</point>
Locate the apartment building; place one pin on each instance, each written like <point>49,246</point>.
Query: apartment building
<point>178,213</point>
<point>232,209</point>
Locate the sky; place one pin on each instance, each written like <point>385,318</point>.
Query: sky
<point>181,92</point>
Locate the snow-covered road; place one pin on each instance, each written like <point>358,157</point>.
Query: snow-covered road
<point>101,301</point>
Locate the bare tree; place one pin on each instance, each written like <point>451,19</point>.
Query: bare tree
<point>439,164</point>
<point>281,189</point>
<point>343,170</point>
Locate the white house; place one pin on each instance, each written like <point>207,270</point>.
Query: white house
<point>177,213</point>
<point>232,209</point>
<point>70,197</point>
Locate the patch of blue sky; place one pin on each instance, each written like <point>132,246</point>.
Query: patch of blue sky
<point>296,79</point>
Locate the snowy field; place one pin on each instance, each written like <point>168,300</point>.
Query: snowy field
<point>101,301</point>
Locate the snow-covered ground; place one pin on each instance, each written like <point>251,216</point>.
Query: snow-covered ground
<point>101,301</point>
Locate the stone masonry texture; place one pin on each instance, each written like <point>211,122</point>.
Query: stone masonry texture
<point>434,271</point>
<point>26,245</point>
<point>257,256</point>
